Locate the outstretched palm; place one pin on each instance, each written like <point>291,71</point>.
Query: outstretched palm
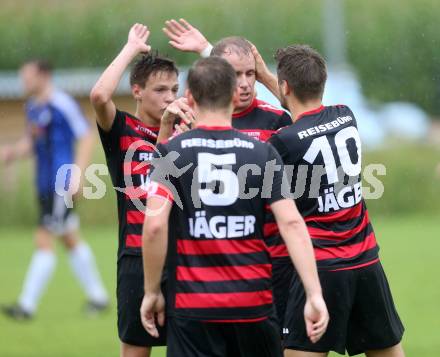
<point>185,37</point>
<point>137,37</point>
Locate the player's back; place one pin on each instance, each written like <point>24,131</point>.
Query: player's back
<point>324,148</point>
<point>223,270</point>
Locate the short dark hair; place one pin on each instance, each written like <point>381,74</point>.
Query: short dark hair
<point>304,70</point>
<point>148,64</point>
<point>212,82</point>
<point>42,65</point>
<point>233,44</point>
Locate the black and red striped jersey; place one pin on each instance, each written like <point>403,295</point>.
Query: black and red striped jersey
<point>260,120</point>
<point>218,266</point>
<point>323,158</point>
<point>128,148</point>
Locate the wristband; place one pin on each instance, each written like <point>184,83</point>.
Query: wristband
<point>206,51</point>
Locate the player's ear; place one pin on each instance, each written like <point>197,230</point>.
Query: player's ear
<point>136,91</point>
<point>236,97</point>
<point>190,98</point>
<point>284,88</point>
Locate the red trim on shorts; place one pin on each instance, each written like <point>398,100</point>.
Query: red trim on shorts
<point>358,266</point>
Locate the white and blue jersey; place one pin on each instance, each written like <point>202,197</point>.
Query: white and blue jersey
<point>54,127</point>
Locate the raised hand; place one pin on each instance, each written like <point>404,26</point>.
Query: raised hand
<point>178,109</point>
<point>185,37</point>
<point>137,38</point>
<point>316,317</point>
<point>260,66</point>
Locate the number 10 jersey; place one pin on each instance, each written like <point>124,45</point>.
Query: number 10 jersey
<point>322,154</point>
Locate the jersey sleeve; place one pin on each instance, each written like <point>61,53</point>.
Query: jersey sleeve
<point>110,139</point>
<point>279,146</point>
<point>73,114</point>
<point>285,120</point>
<point>277,182</point>
<point>287,146</point>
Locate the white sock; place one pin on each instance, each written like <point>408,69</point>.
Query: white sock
<point>83,265</point>
<point>38,275</point>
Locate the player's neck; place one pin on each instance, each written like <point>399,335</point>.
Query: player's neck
<point>146,119</point>
<point>213,117</point>
<point>43,96</point>
<point>297,108</point>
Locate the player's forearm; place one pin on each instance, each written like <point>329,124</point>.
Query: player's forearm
<point>270,81</point>
<point>300,249</point>
<point>21,149</point>
<point>84,151</point>
<point>106,85</point>
<point>154,248</point>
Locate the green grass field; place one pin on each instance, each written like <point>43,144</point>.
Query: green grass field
<point>409,254</point>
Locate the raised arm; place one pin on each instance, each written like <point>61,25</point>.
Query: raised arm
<point>177,109</point>
<point>264,75</point>
<point>297,239</point>
<point>102,92</point>
<point>187,38</point>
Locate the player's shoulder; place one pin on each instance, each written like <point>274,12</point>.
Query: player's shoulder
<point>341,113</point>
<point>339,108</point>
<point>265,107</point>
<point>63,101</point>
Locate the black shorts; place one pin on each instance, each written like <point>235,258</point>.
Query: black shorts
<point>191,338</point>
<point>282,274</point>
<point>361,308</point>
<point>130,292</point>
<point>55,216</point>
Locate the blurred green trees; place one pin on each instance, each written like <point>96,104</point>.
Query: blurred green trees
<point>394,45</point>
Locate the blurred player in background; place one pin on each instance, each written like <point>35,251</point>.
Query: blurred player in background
<point>251,116</point>
<point>220,294</point>
<point>325,141</point>
<point>54,124</point>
